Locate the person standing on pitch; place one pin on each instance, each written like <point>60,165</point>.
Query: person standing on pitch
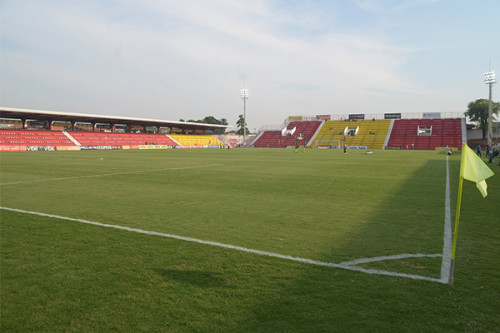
<point>494,153</point>
<point>478,151</point>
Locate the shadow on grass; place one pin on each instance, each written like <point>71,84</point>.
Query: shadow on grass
<point>325,299</point>
<point>410,221</point>
<point>202,279</point>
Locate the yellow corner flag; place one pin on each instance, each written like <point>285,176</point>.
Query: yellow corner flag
<point>471,168</point>
<point>474,169</point>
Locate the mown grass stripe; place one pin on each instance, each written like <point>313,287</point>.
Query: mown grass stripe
<point>109,174</point>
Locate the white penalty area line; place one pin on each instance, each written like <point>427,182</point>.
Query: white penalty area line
<point>110,174</point>
<point>351,265</point>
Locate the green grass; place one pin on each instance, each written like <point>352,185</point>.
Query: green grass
<point>322,205</point>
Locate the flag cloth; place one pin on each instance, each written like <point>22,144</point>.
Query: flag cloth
<point>474,169</point>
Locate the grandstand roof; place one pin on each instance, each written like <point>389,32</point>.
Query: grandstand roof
<point>43,115</point>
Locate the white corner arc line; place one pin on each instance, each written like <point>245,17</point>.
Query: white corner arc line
<point>109,174</point>
<point>393,257</point>
<point>233,247</point>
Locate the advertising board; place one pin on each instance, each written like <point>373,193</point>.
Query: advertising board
<point>100,147</point>
<point>154,147</point>
<point>68,148</point>
<point>392,115</point>
<point>357,116</point>
<point>431,115</point>
<point>40,148</point>
<point>12,148</point>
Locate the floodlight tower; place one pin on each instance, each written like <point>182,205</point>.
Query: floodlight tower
<point>489,79</point>
<point>244,97</point>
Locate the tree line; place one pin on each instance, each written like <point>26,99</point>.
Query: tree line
<point>210,120</point>
<point>223,121</point>
<point>477,112</point>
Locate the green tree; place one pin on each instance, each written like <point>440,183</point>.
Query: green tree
<point>241,124</point>
<point>222,121</point>
<point>211,120</point>
<point>477,112</point>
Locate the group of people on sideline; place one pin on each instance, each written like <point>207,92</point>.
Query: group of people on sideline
<point>491,153</point>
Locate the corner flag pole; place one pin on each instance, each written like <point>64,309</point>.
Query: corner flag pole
<point>457,217</point>
<point>471,168</point>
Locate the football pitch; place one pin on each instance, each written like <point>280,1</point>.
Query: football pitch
<point>256,240</point>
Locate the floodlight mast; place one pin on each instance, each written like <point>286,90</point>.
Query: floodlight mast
<point>244,97</point>
<point>489,79</point>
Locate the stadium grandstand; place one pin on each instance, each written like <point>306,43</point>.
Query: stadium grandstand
<point>426,131</point>
<point>22,129</point>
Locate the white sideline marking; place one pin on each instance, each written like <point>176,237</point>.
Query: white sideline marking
<point>238,248</point>
<point>447,237</point>
<point>110,174</point>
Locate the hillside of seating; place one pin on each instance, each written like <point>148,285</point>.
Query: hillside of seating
<point>269,139</point>
<point>33,138</point>
<point>196,140</point>
<point>120,139</point>
<point>331,133</point>
<point>58,138</point>
<point>275,139</point>
<point>443,132</point>
<point>371,133</point>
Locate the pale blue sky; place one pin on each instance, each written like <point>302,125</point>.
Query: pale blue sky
<point>188,59</point>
